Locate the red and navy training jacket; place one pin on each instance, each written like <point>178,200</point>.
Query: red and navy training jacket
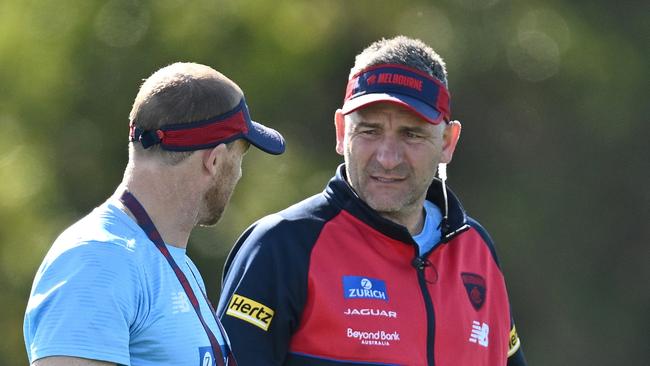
<point>330,282</point>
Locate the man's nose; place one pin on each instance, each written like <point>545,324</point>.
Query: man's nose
<point>389,153</point>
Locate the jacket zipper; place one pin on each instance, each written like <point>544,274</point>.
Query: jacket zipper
<point>420,264</point>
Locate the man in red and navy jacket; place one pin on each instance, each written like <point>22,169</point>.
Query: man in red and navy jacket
<point>384,267</point>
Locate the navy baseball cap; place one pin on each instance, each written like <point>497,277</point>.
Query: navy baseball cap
<point>421,93</point>
<point>232,125</point>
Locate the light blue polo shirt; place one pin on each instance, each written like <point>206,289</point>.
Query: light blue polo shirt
<point>430,234</point>
<point>105,292</point>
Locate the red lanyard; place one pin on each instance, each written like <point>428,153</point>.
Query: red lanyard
<point>149,228</point>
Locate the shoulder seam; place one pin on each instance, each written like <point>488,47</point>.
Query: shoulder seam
<point>486,239</point>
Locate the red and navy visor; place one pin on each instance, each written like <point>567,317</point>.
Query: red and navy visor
<point>232,125</point>
<point>421,93</point>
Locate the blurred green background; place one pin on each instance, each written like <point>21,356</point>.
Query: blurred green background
<point>553,158</point>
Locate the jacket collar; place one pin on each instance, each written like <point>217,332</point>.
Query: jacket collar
<point>339,191</point>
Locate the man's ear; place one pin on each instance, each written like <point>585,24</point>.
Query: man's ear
<point>211,158</point>
<point>339,124</point>
<point>450,139</point>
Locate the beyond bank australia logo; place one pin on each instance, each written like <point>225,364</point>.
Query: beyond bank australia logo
<point>357,287</point>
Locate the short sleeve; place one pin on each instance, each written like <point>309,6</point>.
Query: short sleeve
<point>83,303</point>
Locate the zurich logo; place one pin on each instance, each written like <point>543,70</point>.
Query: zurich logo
<point>366,283</point>
<point>358,287</point>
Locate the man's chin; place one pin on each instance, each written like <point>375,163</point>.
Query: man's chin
<point>392,202</point>
<point>208,224</point>
<point>385,206</point>
<point>212,221</point>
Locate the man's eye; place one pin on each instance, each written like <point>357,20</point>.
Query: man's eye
<point>368,132</point>
<point>412,135</point>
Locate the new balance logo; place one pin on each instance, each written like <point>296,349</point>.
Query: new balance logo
<point>480,332</point>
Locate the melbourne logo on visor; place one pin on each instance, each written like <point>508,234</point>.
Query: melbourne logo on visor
<point>395,79</point>
<point>250,311</point>
<point>421,92</point>
<point>358,287</point>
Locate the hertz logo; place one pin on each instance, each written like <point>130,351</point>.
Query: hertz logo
<point>250,311</point>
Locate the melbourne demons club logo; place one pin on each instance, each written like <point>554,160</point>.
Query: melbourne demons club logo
<point>475,287</point>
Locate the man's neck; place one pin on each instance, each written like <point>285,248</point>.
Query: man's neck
<point>167,203</point>
<point>413,221</point>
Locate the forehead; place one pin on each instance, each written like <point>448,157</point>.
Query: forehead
<point>379,112</point>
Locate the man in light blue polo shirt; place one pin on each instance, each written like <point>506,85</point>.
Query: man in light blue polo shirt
<point>117,288</point>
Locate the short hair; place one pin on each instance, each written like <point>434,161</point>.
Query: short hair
<point>404,51</point>
<point>179,93</point>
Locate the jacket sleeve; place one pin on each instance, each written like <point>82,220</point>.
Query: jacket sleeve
<point>264,290</point>
<point>515,351</point>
